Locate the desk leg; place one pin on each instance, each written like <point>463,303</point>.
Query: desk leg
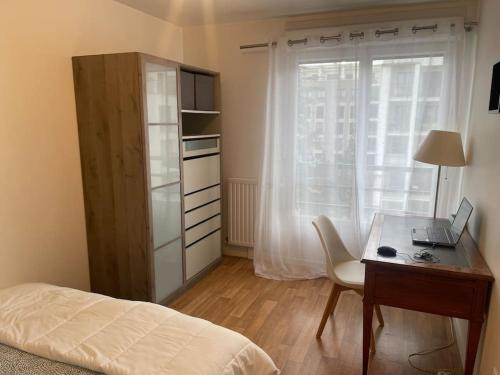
<point>472,344</point>
<point>367,333</point>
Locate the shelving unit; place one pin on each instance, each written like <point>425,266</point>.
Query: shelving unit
<point>202,168</point>
<point>207,119</point>
<point>202,200</point>
<point>201,112</point>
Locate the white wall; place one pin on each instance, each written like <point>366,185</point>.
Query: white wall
<point>42,222</point>
<point>482,175</point>
<point>243,86</point>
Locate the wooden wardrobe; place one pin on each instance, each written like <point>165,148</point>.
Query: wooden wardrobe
<point>130,132</point>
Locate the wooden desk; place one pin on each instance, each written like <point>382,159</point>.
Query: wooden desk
<point>457,286</point>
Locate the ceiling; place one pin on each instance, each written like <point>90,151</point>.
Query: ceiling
<point>198,12</point>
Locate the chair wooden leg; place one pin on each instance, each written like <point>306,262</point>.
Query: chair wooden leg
<point>336,299</point>
<point>380,318</point>
<point>332,302</point>
<point>373,349</point>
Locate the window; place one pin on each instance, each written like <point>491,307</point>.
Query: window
<point>320,112</point>
<point>373,111</point>
<point>340,112</point>
<point>347,71</point>
<point>372,144</point>
<point>374,179</point>
<point>402,80</point>
<point>332,149</point>
<point>418,205</point>
<point>393,202</point>
<point>372,127</point>
<point>430,81</point>
<point>376,75</point>
<point>403,103</point>
<point>352,113</point>
<point>371,160</point>
<point>427,115</point>
<point>396,145</point>
<point>408,96</point>
<point>339,130</point>
<point>351,129</point>
<point>398,120</point>
<point>421,179</point>
<point>374,93</point>
<point>339,144</point>
<point>395,180</point>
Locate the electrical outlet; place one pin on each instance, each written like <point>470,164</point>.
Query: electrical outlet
<point>494,371</point>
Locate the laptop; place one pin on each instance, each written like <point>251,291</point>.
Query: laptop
<point>441,234</point>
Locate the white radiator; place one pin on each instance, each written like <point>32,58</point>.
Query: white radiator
<point>242,200</point>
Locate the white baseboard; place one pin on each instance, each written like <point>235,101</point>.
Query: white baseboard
<point>461,327</point>
<point>238,251</point>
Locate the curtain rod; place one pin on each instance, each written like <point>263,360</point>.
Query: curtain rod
<point>414,29</point>
<point>258,45</point>
<point>337,37</point>
<point>468,26</point>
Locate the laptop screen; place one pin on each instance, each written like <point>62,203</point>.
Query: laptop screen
<point>462,217</point>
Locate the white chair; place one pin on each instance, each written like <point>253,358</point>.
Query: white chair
<point>346,272</point>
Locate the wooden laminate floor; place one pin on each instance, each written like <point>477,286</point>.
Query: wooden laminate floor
<point>282,318</point>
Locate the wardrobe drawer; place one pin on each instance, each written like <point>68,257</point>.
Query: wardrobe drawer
<point>196,216</point>
<point>202,197</point>
<point>200,146</point>
<point>202,253</point>
<point>201,230</point>
<point>201,173</point>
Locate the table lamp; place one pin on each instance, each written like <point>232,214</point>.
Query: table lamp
<point>441,148</point>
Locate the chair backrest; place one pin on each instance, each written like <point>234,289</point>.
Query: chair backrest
<point>332,244</point>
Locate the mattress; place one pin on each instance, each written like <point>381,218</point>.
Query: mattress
<point>119,337</point>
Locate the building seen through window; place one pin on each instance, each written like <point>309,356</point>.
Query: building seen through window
<point>402,105</point>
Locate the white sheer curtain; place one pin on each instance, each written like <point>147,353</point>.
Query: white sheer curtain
<point>344,118</point>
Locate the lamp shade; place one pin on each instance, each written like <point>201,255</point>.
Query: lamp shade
<point>441,148</point>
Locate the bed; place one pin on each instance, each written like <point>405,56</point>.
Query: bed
<point>17,362</point>
<point>46,325</point>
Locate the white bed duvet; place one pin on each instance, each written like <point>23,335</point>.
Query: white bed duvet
<point>121,337</point>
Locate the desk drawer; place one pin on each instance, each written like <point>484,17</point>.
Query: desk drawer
<point>197,216</point>
<point>423,292</point>
<point>201,230</point>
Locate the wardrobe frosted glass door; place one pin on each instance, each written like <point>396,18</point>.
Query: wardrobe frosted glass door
<point>164,171</point>
<point>166,203</point>
<point>168,269</point>
<point>164,154</point>
<point>161,92</point>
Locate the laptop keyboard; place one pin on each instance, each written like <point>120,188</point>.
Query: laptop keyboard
<point>438,235</point>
